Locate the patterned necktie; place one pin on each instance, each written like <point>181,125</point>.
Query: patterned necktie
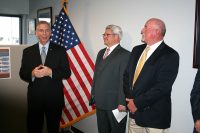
<point>140,64</point>
<point>43,55</point>
<point>106,53</point>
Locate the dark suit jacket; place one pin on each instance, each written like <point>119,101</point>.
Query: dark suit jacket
<point>152,89</point>
<point>107,88</point>
<point>195,97</point>
<point>45,89</point>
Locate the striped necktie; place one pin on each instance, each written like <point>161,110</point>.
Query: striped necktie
<point>43,55</point>
<point>106,53</point>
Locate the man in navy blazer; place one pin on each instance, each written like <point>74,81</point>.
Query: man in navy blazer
<point>149,96</point>
<point>195,102</point>
<point>45,90</point>
<point>107,88</point>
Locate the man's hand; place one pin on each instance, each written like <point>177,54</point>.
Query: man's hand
<point>41,71</point>
<point>131,106</point>
<point>197,126</point>
<point>121,108</point>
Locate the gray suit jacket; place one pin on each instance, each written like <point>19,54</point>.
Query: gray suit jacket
<point>107,88</point>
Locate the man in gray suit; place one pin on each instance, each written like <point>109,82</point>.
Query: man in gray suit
<point>107,89</point>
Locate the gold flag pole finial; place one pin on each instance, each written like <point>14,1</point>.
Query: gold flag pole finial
<point>65,4</point>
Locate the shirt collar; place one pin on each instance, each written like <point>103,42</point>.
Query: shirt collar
<point>46,46</point>
<point>112,47</point>
<point>153,48</point>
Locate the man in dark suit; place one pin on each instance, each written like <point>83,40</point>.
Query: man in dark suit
<point>107,89</point>
<point>195,102</point>
<point>44,71</point>
<point>148,92</point>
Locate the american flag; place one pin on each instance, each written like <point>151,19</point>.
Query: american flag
<point>78,87</point>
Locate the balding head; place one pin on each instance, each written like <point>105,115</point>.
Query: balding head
<point>153,31</point>
<point>158,24</point>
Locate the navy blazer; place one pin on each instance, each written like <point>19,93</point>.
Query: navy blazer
<point>47,88</point>
<point>152,89</point>
<point>195,98</point>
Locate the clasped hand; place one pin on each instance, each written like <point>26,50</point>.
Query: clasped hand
<point>41,71</point>
<point>131,105</point>
<point>197,126</point>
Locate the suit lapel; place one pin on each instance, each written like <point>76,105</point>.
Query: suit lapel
<point>150,61</point>
<point>155,54</point>
<point>36,52</point>
<point>113,54</point>
<point>135,57</point>
<point>104,62</point>
<point>50,54</point>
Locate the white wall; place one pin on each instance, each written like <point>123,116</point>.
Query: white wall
<point>90,17</point>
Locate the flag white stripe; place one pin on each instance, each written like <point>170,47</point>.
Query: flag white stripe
<point>68,107</point>
<point>64,117</point>
<point>74,98</point>
<point>85,62</point>
<point>81,73</point>
<point>89,69</point>
<point>81,92</point>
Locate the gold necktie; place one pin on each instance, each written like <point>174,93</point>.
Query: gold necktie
<point>140,64</point>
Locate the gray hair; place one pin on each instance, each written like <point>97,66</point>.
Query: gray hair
<point>43,22</point>
<point>116,30</point>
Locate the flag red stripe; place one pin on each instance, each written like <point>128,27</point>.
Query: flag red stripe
<point>70,82</point>
<point>79,98</point>
<point>75,90</point>
<point>62,121</point>
<point>85,71</point>
<point>86,56</point>
<point>67,113</point>
<point>89,61</point>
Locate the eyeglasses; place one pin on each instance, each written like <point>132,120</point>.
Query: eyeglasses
<point>43,31</point>
<point>107,34</point>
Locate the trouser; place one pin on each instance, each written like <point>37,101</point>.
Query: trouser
<point>134,128</point>
<point>35,118</point>
<point>107,123</point>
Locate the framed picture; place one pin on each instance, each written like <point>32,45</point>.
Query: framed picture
<point>45,14</point>
<point>31,26</point>
<point>5,66</point>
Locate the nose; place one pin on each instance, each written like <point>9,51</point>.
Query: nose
<point>104,36</point>
<point>142,31</point>
<point>44,32</point>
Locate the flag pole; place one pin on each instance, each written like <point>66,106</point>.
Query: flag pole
<point>64,3</point>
